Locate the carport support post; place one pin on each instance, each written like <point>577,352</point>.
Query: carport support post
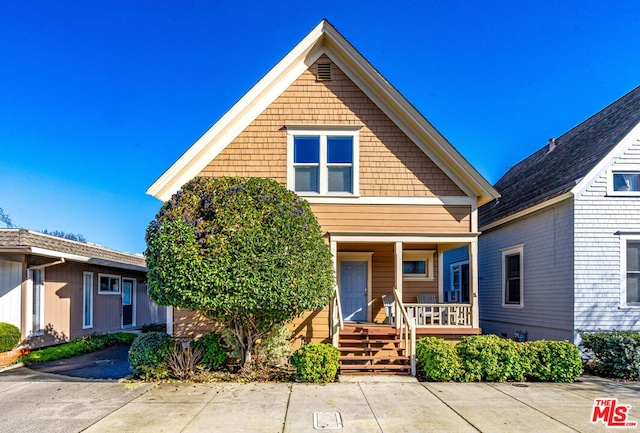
<point>473,275</point>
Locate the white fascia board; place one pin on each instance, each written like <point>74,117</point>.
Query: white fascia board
<point>632,137</point>
<point>385,96</point>
<point>434,238</point>
<point>225,130</point>
<point>426,201</point>
<point>84,259</point>
<point>527,211</point>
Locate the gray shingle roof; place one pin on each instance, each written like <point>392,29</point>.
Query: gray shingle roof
<point>545,174</point>
<point>16,238</point>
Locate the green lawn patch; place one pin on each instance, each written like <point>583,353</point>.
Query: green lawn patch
<point>78,346</point>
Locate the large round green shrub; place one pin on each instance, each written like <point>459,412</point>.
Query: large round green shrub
<point>245,252</point>
<point>437,360</point>
<point>316,363</point>
<point>214,353</point>
<point>149,355</point>
<point>613,353</point>
<point>9,336</point>
<point>552,361</point>
<point>490,358</point>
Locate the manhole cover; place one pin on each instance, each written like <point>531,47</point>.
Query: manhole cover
<point>327,421</point>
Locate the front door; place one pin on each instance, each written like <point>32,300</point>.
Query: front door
<point>127,303</point>
<point>353,289</point>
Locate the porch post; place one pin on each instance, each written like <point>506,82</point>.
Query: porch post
<point>473,282</point>
<point>334,314</point>
<point>398,275</point>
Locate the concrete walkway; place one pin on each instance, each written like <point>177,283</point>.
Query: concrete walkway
<point>370,406</point>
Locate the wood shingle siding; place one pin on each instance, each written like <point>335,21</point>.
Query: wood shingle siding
<point>390,163</point>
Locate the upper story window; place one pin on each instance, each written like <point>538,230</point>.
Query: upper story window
<point>624,182</point>
<point>512,281</point>
<point>323,160</point>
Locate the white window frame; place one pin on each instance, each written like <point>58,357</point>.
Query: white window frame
<point>622,169</point>
<point>623,271</point>
<point>506,252</point>
<point>419,256</point>
<point>324,131</point>
<point>87,291</point>
<point>31,331</point>
<point>109,292</point>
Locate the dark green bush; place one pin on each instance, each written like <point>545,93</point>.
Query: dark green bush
<point>214,353</point>
<point>9,336</point>
<point>437,360</point>
<point>490,358</point>
<point>316,363</point>
<point>154,327</point>
<point>551,361</point>
<point>613,353</point>
<point>149,355</point>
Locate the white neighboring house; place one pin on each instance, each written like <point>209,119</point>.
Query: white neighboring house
<point>560,249</point>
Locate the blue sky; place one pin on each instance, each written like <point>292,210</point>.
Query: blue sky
<point>99,98</point>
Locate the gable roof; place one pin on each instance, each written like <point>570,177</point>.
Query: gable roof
<point>548,175</point>
<point>323,39</point>
<point>22,241</point>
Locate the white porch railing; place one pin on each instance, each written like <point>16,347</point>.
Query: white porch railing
<point>407,328</point>
<point>440,315</point>
<point>337,323</point>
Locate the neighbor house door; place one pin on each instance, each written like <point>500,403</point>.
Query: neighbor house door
<point>128,287</point>
<point>353,289</point>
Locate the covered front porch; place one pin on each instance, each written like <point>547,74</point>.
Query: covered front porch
<point>402,281</point>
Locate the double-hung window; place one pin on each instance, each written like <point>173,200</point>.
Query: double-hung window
<point>631,272</point>
<point>323,160</point>
<point>512,281</point>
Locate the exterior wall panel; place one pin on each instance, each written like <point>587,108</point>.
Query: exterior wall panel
<point>11,293</point>
<point>599,219</point>
<point>547,236</point>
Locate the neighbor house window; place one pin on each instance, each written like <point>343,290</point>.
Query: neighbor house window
<point>87,300</point>
<point>323,162</point>
<point>37,301</point>
<point>512,281</point>
<point>631,284</point>
<point>624,183</point>
<point>417,264</point>
<point>108,284</point>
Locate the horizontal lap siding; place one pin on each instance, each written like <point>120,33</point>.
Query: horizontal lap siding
<point>547,236</point>
<point>392,218</point>
<point>390,163</point>
<point>598,254</point>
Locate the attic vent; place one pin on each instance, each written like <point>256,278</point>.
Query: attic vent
<point>324,71</point>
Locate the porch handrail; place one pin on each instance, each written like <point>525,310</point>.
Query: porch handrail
<point>336,315</point>
<point>409,336</point>
<point>440,315</point>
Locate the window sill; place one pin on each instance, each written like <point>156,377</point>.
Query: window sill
<point>108,293</point>
<point>513,306</point>
<point>416,278</point>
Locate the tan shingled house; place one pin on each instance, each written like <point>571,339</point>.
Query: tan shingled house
<point>389,191</point>
<point>56,289</point>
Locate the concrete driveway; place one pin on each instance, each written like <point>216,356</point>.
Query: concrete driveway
<point>35,401</point>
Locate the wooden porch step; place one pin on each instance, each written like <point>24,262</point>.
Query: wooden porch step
<point>368,340</point>
<point>374,358</point>
<point>375,367</point>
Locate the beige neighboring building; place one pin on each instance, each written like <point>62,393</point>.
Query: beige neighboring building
<point>390,193</point>
<point>55,289</point>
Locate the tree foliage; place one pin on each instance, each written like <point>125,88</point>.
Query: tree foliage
<point>247,253</point>
<point>65,235</point>
<point>4,218</point>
